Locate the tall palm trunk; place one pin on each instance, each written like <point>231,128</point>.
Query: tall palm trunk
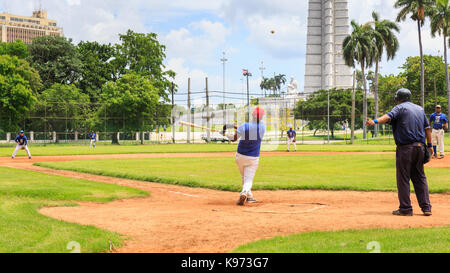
<point>422,70</point>
<point>363,72</point>
<point>446,70</point>
<point>375,93</point>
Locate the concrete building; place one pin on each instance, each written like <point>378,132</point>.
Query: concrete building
<point>16,27</point>
<point>328,25</point>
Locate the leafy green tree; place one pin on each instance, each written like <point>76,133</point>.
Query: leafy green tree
<point>16,48</point>
<point>359,47</point>
<point>56,59</point>
<point>143,54</point>
<point>386,41</point>
<point>410,78</point>
<point>315,109</point>
<point>433,66</point>
<point>388,86</point>
<point>132,102</point>
<point>97,67</point>
<point>63,107</point>
<point>416,10</point>
<point>18,86</point>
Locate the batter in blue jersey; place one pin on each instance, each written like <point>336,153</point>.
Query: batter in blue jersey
<point>247,156</point>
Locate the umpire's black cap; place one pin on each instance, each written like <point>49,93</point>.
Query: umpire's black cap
<point>402,95</point>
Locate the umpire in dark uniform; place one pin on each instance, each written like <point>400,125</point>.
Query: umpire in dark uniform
<point>411,129</point>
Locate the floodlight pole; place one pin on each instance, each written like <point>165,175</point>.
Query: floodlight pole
<point>224,60</point>
<point>328,116</point>
<point>248,95</point>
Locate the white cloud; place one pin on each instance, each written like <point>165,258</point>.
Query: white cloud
<point>288,40</point>
<point>74,2</point>
<point>198,43</point>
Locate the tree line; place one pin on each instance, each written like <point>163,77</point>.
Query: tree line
<point>369,42</point>
<point>55,85</point>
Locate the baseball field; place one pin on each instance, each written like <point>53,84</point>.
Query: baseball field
<point>181,198</point>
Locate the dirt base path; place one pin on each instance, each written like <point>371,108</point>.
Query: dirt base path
<point>180,219</point>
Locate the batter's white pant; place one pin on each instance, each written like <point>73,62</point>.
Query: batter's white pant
<point>437,137</point>
<point>92,143</point>
<point>21,147</point>
<point>291,141</point>
<point>247,166</point>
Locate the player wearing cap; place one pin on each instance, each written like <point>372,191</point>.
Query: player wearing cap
<point>411,131</point>
<point>291,135</point>
<point>93,139</point>
<point>22,142</point>
<point>440,124</point>
<point>247,156</point>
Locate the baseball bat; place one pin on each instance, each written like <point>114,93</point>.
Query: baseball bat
<point>192,125</point>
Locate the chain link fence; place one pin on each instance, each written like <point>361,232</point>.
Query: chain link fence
<point>73,123</point>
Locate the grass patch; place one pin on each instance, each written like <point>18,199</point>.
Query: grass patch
<point>54,150</point>
<point>414,240</point>
<point>24,230</point>
<point>364,172</point>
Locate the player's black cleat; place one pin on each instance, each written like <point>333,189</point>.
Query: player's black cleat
<point>399,213</point>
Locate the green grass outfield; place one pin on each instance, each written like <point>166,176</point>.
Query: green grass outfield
<point>414,240</point>
<point>24,230</point>
<point>364,172</point>
<point>53,149</point>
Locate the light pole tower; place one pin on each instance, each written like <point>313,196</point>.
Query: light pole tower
<point>262,68</point>
<point>224,108</point>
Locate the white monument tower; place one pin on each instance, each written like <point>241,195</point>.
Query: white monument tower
<point>328,25</point>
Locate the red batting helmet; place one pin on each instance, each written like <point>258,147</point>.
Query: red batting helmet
<point>258,113</point>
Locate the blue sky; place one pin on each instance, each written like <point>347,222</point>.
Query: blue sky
<point>196,33</point>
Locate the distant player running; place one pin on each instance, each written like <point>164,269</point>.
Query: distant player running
<point>247,156</point>
<point>22,144</point>
<point>292,139</point>
<point>93,139</point>
<point>440,124</point>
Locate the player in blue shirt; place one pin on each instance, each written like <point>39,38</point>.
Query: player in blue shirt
<point>93,139</point>
<point>22,144</point>
<point>292,139</point>
<point>247,156</point>
<point>440,124</point>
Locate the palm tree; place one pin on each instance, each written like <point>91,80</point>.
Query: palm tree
<point>416,9</point>
<point>360,47</point>
<point>385,39</point>
<point>265,85</point>
<point>279,80</point>
<point>440,19</point>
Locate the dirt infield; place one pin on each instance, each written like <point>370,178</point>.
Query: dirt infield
<point>180,219</point>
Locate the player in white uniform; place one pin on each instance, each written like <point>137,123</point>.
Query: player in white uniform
<point>291,139</point>
<point>440,124</point>
<point>22,144</point>
<point>247,156</point>
<point>93,139</point>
